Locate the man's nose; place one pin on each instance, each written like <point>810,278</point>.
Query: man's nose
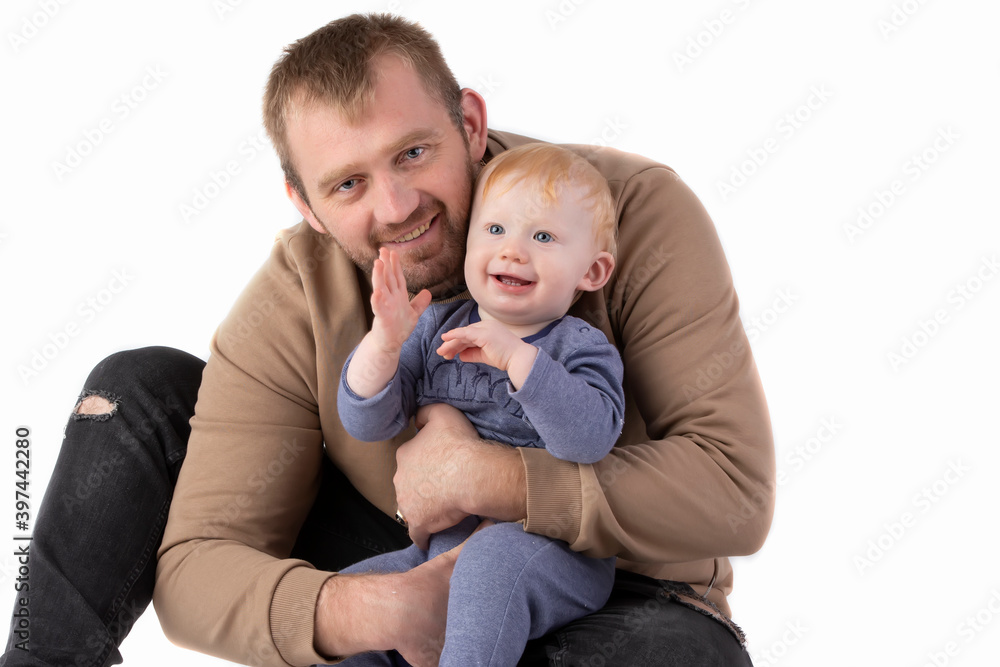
<point>395,200</point>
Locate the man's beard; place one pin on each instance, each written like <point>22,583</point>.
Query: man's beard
<point>440,269</point>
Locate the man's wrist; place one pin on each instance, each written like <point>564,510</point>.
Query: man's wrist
<point>351,615</point>
<point>498,488</point>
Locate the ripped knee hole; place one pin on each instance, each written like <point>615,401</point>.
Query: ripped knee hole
<point>95,405</point>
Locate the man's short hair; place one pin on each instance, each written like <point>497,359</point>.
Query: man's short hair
<point>333,66</point>
<point>545,168</point>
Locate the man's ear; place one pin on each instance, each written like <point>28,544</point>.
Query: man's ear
<point>598,274</point>
<point>303,208</point>
<point>474,122</point>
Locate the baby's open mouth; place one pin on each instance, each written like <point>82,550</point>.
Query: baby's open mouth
<point>511,280</point>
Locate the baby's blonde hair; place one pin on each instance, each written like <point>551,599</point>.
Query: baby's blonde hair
<point>544,168</point>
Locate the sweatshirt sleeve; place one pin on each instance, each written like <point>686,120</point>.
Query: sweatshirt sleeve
<point>577,405</point>
<point>250,476</point>
<point>692,476</point>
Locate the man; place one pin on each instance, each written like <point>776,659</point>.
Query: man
<point>380,149</point>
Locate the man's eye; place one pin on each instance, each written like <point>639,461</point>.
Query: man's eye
<point>414,153</point>
<point>543,237</point>
<point>495,229</point>
<point>347,185</point>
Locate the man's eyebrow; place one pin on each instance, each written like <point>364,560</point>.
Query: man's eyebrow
<point>415,137</point>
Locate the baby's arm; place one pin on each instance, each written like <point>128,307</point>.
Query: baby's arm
<point>489,342</point>
<point>576,403</point>
<point>377,357</point>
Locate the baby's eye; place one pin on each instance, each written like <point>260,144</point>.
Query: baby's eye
<point>543,237</point>
<point>495,229</point>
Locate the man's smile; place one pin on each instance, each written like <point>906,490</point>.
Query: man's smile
<point>416,233</point>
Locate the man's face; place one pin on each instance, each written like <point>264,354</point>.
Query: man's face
<point>400,177</point>
<point>526,260</point>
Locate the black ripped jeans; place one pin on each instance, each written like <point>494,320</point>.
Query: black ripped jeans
<point>93,553</point>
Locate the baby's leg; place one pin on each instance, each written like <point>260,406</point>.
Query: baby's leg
<point>412,556</point>
<point>510,586</point>
<point>401,561</point>
<point>394,561</point>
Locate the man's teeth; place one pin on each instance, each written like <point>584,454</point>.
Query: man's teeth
<point>414,234</point>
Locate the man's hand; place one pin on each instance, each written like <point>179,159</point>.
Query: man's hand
<point>491,343</point>
<point>395,314</point>
<point>447,472</point>
<point>406,611</point>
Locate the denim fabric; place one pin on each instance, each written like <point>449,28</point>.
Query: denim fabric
<point>645,622</point>
<point>93,556</point>
<point>103,513</point>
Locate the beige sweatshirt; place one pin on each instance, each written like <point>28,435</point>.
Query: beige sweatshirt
<point>689,483</point>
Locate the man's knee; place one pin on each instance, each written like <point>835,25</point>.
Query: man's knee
<point>148,365</point>
<point>156,371</point>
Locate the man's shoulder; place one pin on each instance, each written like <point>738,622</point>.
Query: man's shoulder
<point>314,257</point>
<point>301,238</point>
<point>614,164</point>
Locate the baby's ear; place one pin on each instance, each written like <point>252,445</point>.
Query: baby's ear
<point>598,274</point>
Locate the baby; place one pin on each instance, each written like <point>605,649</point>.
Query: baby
<point>542,229</point>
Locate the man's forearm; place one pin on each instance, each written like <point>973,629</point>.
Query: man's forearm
<point>496,487</point>
<point>348,615</point>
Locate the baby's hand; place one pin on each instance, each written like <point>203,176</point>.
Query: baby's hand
<point>395,314</point>
<point>491,343</point>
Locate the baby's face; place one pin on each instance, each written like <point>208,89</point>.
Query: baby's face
<point>524,262</point>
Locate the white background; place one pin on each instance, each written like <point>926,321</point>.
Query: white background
<point>830,307</point>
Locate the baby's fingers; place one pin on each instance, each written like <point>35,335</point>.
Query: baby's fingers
<point>450,348</point>
<point>378,276</point>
